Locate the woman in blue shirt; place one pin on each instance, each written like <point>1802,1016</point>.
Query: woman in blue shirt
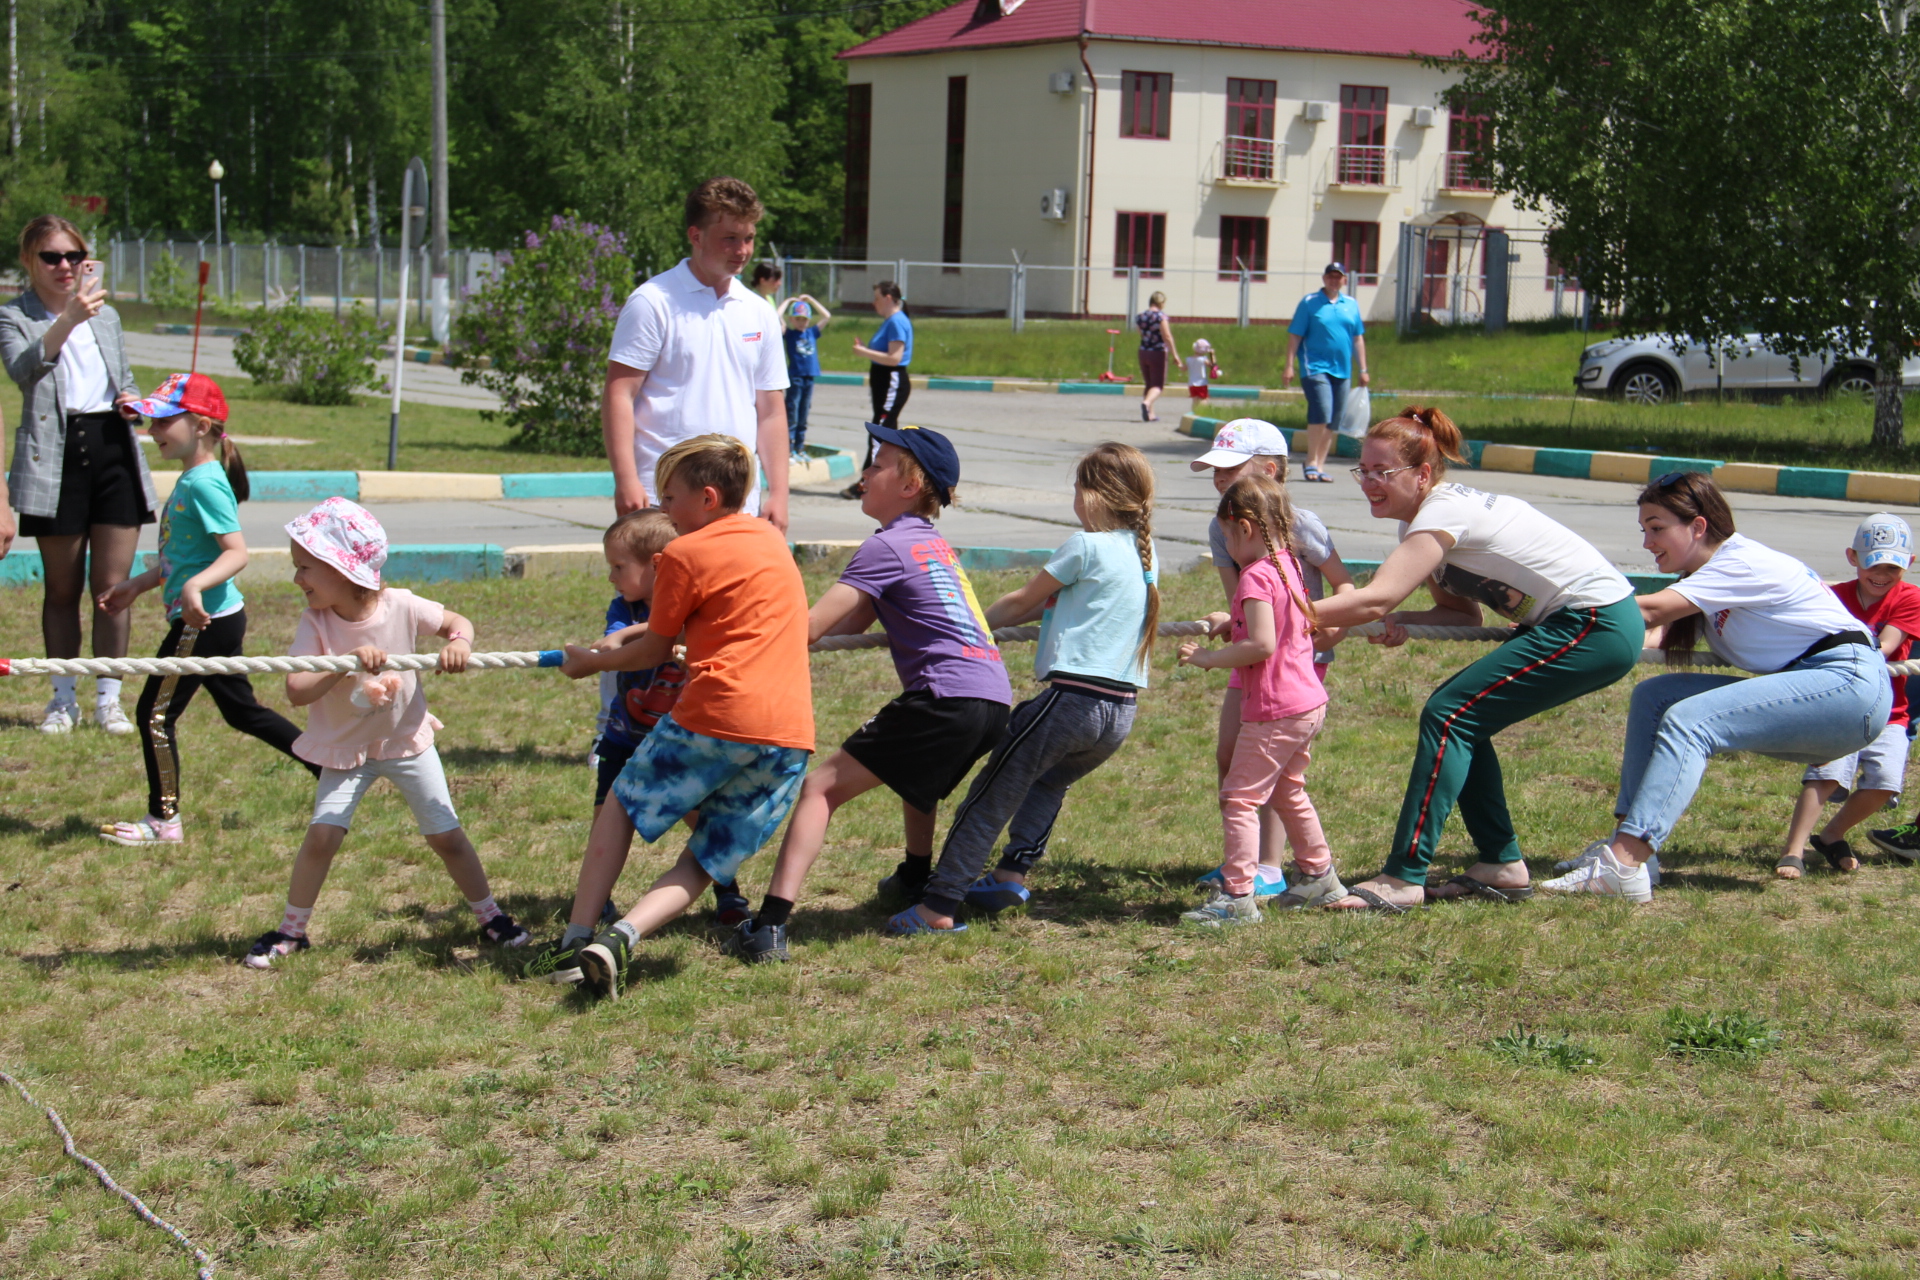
<point>891,352</point>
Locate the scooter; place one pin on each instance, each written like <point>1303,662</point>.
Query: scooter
<point>1110,375</point>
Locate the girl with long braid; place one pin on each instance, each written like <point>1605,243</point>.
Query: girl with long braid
<point>1099,606</point>
<point>1283,704</point>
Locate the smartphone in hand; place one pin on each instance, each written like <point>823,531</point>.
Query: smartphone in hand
<point>90,272</point>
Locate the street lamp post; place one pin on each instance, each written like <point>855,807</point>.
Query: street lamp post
<point>216,171</point>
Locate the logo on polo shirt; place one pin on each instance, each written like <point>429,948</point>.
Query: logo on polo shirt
<point>750,337</point>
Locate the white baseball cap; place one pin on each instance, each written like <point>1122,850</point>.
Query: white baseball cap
<point>1241,439</point>
<point>1883,539</point>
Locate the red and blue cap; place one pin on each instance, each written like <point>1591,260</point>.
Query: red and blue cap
<point>184,393</point>
<point>933,451</point>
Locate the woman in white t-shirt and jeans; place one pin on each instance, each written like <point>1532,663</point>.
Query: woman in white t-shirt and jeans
<point>1819,688</point>
<point>1578,631</point>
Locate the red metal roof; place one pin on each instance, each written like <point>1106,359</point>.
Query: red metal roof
<point>1390,28</point>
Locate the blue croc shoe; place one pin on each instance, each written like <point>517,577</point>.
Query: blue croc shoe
<point>1268,882</point>
<point>910,922</point>
<point>988,894</point>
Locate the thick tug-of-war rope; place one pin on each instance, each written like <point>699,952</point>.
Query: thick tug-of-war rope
<point>553,657</point>
<point>106,1180</point>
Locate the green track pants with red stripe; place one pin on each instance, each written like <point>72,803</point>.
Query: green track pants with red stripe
<point>1572,652</point>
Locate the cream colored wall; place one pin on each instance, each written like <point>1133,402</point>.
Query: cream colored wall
<point>1023,139</point>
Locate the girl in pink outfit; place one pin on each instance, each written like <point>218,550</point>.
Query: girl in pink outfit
<point>368,724</point>
<point>1283,704</point>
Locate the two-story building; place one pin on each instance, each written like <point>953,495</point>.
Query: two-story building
<point>1121,146</point>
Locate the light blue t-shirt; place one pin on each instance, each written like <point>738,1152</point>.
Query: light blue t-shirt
<point>200,507</point>
<point>1092,624</point>
<point>1327,330</point>
<point>895,328</point>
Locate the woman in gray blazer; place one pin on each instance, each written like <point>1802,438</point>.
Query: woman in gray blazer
<point>78,483</point>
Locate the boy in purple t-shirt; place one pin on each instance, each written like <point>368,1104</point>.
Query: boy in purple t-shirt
<point>956,697</point>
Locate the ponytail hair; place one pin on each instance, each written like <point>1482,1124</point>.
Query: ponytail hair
<point>234,464</point>
<point>1263,503</point>
<point>1421,434</point>
<point>1116,488</point>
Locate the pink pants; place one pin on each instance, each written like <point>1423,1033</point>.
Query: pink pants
<point>1269,768</point>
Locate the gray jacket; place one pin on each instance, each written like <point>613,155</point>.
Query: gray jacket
<point>40,437</point>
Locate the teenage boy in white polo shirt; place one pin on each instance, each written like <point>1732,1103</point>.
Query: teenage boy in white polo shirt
<point>695,351</point>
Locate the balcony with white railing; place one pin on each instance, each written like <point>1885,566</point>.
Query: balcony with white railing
<point>1367,168</point>
<point>1457,176</point>
<point>1251,162</point>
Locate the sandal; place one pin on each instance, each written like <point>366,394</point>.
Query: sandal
<point>988,894</point>
<point>1836,852</point>
<point>1790,862</point>
<point>910,922</point>
<point>1481,889</point>
<point>1372,902</point>
<point>1316,475</point>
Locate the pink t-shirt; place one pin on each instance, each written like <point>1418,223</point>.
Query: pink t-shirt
<point>1284,685</point>
<point>341,735</point>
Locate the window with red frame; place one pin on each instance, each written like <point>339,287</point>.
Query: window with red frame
<point>1146,104</point>
<point>859,160</point>
<point>1140,240</point>
<point>1250,129</point>
<point>1357,245</point>
<point>1243,240</point>
<point>1468,133</point>
<point>956,167</point>
<point>1362,139</point>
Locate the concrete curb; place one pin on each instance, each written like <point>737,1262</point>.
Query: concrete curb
<point>1882,488</point>
<point>822,466</point>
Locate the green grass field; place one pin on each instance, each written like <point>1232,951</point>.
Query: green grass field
<point>1083,1091</point>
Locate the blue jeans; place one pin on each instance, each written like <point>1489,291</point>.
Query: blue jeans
<point>799,402</point>
<point>1818,709</point>
<point>1326,396</point>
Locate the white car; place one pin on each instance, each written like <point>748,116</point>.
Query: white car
<point>1663,369</point>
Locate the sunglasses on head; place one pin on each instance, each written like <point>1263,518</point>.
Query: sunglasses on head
<point>1670,479</point>
<point>72,257</point>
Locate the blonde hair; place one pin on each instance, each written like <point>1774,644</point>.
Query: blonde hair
<point>642,534</point>
<point>712,461</point>
<point>1263,503</point>
<point>928,505</point>
<point>1116,488</point>
<point>44,228</point>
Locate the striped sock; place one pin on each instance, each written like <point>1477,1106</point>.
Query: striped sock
<point>294,922</point>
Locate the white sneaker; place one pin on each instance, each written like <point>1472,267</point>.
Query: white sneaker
<point>1589,855</point>
<point>1223,910</point>
<point>1605,874</point>
<point>111,717</point>
<point>1311,891</point>
<point>61,717</point>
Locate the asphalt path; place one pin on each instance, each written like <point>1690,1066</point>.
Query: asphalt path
<point>1017,453</point>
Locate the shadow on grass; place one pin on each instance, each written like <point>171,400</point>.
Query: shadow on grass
<point>524,754</point>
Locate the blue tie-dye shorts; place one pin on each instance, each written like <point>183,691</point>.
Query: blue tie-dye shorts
<point>742,790</point>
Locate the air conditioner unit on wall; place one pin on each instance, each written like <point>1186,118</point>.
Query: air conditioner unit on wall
<point>1053,205</point>
<point>1060,82</point>
<point>1423,117</point>
<point>1316,110</point>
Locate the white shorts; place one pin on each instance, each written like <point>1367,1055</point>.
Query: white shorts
<point>420,779</point>
<point>1881,765</point>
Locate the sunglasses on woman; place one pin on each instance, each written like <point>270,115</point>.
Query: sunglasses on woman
<point>72,257</point>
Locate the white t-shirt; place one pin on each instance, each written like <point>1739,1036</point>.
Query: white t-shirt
<point>84,386</point>
<point>1763,608</point>
<point>1197,370</point>
<point>705,358</point>
<point>1513,560</point>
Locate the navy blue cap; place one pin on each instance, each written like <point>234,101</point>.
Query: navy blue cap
<point>933,451</point>
<point>1335,268</point>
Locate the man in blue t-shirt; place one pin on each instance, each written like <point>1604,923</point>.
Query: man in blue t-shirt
<point>1331,337</point>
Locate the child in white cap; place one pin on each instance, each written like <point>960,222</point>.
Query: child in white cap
<point>1253,446</point>
<point>1870,779</point>
<point>366,725</point>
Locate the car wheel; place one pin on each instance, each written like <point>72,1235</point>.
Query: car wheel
<point>1855,381</point>
<point>1645,384</point>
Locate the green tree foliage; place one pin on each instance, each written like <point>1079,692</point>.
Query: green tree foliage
<point>1720,166</point>
<point>309,356</point>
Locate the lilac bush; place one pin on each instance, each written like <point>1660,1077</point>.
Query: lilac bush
<point>545,322</point>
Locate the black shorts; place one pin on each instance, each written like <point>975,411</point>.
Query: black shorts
<point>99,480</point>
<point>922,746</point>
<point>613,758</point>
<point>889,386</point>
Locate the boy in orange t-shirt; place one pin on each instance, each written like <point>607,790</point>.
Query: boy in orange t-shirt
<point>735,746</point>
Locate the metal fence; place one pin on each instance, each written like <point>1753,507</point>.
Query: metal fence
<point>164,271</point>
<point>1470,274</point>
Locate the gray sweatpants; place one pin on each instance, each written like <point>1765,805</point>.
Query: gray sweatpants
<point>1052,742</point>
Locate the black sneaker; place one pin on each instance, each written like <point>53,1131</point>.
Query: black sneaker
<point>765,944</point>
<point>504,931</point>
<point>730,906</point>
<point>610,915</point>
<point>557,963</point>
<point>1901,843</point>
<point>908,881</point>
<point>603,964</point>
<point>270,946</point>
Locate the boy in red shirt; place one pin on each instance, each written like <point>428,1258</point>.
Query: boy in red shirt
<point>1870,779</point>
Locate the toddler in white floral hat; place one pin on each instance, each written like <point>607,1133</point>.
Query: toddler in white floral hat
<point>366,725</point>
